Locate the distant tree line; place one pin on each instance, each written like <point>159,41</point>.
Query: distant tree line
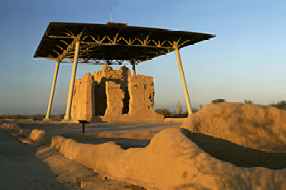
<point>280,105</point>
<point>219,100</point>
<point>178,113</point>
<point>34,117</point>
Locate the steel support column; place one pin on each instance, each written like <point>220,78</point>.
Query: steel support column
<point>52,92</point>
<point>133,67</point>
<point>72,80</point>
<point>183,81</point>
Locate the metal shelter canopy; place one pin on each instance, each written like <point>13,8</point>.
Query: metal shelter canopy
<point>112,42</point>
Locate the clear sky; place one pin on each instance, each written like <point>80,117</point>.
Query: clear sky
<point>247,59</point>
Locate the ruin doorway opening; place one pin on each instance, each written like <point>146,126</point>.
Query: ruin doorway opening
<point>100,99</point>
<point>126,99</point>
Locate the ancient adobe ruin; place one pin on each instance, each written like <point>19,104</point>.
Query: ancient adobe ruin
<point>124,96</point>
<point>114,95</point>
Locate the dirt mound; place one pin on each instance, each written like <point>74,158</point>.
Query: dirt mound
<point>171,161</point>
<point>37,135</point>
<point>77,176</point>
<point>34,137</point>
<point>258,127</point>
<point>8,126</point>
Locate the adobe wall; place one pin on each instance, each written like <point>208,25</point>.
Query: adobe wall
<point>141,91</point>
<point>102,78</point>
<point>114,95</point>
<point>83,99</point>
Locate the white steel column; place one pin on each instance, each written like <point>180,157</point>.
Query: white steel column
<point>183,81</point>
<point>52,92</point>
<point>72,80</point>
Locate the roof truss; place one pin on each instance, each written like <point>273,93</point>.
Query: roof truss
<point>114,44</point>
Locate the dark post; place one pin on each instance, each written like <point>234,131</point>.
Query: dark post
<point>83,122</point>
<point>133,66</point>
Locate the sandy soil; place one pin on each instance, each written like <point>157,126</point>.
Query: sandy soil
<point>223,146</point>
<point>175,160</point>
<point>125,134</point>
<point>37,166</point>
<point>21,169</point>
<point>71,172</point>
<point>230,146</point>
<point>253,126</point>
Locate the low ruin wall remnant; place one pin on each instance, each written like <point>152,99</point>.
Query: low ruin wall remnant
<point>114,95</point>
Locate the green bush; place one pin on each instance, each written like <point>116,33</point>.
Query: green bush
<point>163,111</point>
<point>218,100</point>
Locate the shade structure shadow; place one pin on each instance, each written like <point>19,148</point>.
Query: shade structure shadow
<point>21,169</point>
<point>124,143</point>
<point>236,154</point>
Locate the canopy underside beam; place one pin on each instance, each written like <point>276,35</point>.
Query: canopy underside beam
<point>99,47</point>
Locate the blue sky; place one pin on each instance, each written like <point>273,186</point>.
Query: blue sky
<point>247,59</point>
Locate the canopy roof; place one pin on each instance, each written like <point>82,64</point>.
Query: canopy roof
<point>112,42</point>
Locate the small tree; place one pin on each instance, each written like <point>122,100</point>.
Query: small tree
<point>248,102</point>
<point>218,100</point>
<point>163,111</point>
<point>179,108</point>
<point>280,105</point>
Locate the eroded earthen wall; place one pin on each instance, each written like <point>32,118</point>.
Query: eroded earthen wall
<point>141,92</point>
<point>82,104</point>
<point>114,95</point>
<point>107,74</point>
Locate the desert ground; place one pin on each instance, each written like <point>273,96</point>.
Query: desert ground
<point>233,146</point>
<point>25,165</point>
